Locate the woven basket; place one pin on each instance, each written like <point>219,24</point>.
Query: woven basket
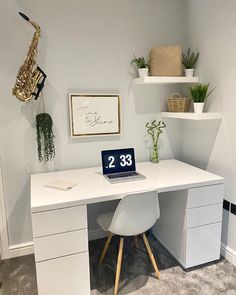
<point>166,61</point>
<point>177,103</point>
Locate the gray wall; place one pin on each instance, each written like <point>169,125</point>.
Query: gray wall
<point>85,46</point>
<point>212,26</point>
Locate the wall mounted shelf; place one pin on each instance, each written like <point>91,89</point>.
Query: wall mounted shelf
<point>155,80</point>
<point>192,116</point>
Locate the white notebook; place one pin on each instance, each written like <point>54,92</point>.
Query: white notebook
<point>61,184</point>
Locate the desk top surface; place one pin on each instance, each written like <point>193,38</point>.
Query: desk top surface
<point>92,187</point>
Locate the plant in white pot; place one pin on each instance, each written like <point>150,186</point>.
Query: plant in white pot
<point>142,66</point>
<point>189,61</point>
<point>199,93</point>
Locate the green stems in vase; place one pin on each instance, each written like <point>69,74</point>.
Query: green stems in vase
<point>155,156</point>
<point>155,129</point>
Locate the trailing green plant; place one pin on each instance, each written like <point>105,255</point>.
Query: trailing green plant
<point>190,59</point>
<point>140,62</point>
<point>155,129</point>
<point>45,136</point>
<point>199,92</point>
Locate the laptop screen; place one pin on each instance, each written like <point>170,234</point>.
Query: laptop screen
<point>115,161</point>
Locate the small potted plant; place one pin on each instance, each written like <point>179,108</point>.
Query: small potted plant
<point>189,61</point>
<point>142,66</point>
<point>199,93</point>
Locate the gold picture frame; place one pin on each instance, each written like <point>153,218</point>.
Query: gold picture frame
<point>94,114</point>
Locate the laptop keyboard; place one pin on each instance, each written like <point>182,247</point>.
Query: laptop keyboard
<point>120,175</point>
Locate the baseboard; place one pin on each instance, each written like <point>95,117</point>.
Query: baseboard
<point>228,253</point>
<point>20,250</point>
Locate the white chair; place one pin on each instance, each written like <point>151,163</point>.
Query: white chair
<point>134,215</point>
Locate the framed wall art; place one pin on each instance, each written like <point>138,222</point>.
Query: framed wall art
<point>94,114</point>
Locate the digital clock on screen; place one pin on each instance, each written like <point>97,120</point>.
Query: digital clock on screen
<point>115,161</point>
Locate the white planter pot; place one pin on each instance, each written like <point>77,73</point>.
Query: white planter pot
<point>198,107</point>
<point>189,72</point>
<point>143,72</point>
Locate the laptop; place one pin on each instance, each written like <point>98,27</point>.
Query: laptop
<point>119,166</point>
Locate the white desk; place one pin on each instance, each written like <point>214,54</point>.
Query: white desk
<point>190,223</point>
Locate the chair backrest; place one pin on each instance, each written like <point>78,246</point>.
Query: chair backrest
<point>135,214</point>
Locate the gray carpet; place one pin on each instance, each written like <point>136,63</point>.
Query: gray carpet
<point>18,275</point>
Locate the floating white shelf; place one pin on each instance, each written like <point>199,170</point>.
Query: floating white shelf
<point>152,80</point>
<point>192,116</point>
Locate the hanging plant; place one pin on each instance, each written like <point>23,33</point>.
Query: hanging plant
<point>45,136</point>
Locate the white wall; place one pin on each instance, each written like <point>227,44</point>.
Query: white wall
<point>86,46</point>
<point>212,26</point>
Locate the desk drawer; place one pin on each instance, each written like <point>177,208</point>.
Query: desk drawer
<point>203,244</point>
<point>205,195</point>
<point>60,245</point>
<point>64,276</point>
<point>203,215</point>
<point>59,221</point>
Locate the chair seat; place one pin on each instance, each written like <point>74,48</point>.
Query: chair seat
<point>104,220</point>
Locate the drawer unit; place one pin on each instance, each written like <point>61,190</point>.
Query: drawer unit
<point>203,244</point>
<point>60,245</point>
<point>203,215</point>
<point>190,224</point>
<point>59,221</point>
<point>205,195</point>
<point>64,276</point>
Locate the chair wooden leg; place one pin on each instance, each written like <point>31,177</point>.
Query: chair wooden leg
<point>136,241</point>
<point>118,267</point>
<point>105,247</point>
<point>151,255</point>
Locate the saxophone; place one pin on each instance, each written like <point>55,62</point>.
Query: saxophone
<point>30,78</point>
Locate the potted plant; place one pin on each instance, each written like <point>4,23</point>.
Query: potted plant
<point>199,93</point>
<point>142,65</point>
<point>189,61</point>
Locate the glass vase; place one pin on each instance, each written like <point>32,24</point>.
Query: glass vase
<point>154,154</point>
